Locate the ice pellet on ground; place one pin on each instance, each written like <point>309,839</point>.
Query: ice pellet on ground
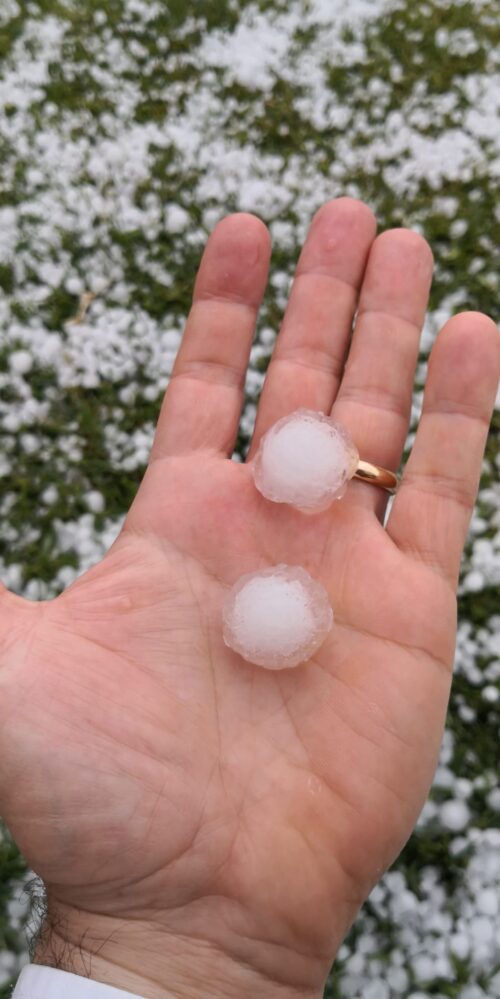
<point>454,815</point>
<point>277,617</point>
<point>306,459</point>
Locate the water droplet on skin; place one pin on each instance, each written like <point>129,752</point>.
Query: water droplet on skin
<point>315,785</point>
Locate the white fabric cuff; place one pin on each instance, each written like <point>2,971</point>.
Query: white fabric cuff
<point>38,982</point>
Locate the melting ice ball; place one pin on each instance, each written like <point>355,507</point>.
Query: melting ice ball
<point>277,617</point>
<point>306,459</point>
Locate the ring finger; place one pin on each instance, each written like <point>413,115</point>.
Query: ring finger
<point>374,398</point>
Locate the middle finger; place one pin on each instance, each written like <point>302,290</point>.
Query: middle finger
<point>308,358</point>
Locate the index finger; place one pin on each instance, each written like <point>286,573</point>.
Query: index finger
<point>203,401</point>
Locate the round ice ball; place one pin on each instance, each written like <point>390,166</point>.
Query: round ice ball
<point>306,459</point>
<point>277,617</point>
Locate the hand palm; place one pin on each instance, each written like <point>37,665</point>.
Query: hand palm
<point>310,767</point>
<point>178,772</point>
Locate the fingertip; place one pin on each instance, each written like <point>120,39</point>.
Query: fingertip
<point>474,323</point>
<point>242,228</point>
<point>470,334</point>
<point>236,260</point>
<point>465,361</point>
<point>352,209</point>
<point>407,242</point>
<point>341,234</point>
<point>398,276</point>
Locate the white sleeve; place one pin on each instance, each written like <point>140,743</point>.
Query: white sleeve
<point>38,982</point>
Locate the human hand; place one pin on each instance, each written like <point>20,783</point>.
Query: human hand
<point>205,826</point>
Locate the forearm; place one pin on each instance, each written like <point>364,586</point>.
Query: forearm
<point>139,957</point>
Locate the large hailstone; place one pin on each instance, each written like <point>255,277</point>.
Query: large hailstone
<point>306,459</point>
<point>277,617</point>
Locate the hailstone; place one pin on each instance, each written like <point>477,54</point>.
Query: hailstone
<point>306,460</point>
<point>277,617</point>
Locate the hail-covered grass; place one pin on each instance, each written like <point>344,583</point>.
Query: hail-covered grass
<point>127,129</point>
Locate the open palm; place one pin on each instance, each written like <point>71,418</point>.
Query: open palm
<point>152,777</point>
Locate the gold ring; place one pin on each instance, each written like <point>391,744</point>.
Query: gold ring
<point>376,476</point>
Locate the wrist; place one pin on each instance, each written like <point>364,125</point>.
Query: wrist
<point>140,957</point>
